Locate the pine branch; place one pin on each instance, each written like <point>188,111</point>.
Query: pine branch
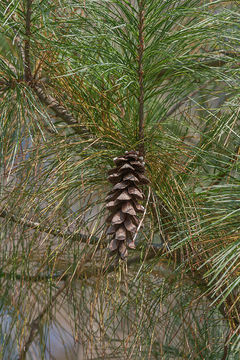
<point>59,110</point>
<point>141,76</point>
<point>48,100</point>
<point>27,62</point>
<point>56,232</point>
<point>48,230</point>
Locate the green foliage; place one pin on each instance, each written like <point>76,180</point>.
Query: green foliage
<point>177,297</point>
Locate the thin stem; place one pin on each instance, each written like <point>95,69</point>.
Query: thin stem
<point>141,76</point>
<point>27,62</point>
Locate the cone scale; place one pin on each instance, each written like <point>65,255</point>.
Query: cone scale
<point>123,201</point>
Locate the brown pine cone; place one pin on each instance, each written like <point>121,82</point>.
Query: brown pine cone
<point>122,201</point>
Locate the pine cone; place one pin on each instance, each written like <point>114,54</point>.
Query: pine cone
<point>122,201</point>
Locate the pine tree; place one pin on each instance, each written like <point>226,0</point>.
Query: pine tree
<point>154,85</point>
